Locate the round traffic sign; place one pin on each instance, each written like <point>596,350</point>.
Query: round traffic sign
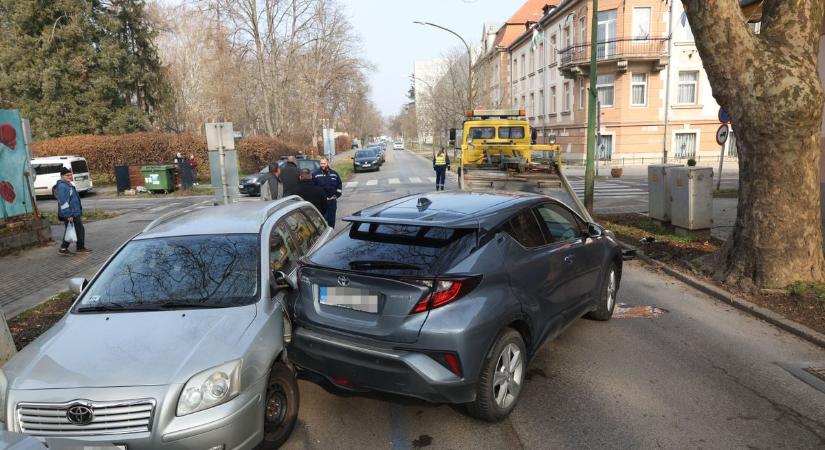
<point>723,116</point>
<point>722,134</point>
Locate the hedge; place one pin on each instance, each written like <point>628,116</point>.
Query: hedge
<point>102,153</point>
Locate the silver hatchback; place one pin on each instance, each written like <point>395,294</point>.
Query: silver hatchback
<point>178,341</point>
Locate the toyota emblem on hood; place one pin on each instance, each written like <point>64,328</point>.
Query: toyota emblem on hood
<point>343,280</point>
<point>80,414</point>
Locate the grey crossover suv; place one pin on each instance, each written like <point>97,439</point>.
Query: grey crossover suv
<point>446,296</point>
<point>178,341</point>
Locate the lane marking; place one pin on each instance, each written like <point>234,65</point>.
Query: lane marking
<point>351,184</point>
<point>394,181</point>
<point>415,180</point>
<point>372,182</point>
<point>431,179</point>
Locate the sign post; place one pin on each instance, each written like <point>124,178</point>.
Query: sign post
<point>721,137</point>
<point>220,138</point>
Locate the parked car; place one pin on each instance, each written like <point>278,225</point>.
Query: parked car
<point>47,172</point>
<point>178,341</point>
<point>365,160</point>
<point>398,145</point>
<point>378,149</point>
<point>447,296</point>
<point>251,184</point>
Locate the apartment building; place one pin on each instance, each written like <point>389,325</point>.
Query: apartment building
<point>492,68</point>
<point>639,115</point>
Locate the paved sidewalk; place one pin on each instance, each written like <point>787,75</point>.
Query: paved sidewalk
<point>34,275</point>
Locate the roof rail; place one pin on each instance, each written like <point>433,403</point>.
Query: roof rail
<point>167,217</point>
<point>278,205</point>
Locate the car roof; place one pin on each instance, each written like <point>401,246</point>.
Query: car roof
<point>234,218</point>
<point>455,209</point>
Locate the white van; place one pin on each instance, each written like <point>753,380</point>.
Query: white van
<point>47,172</point>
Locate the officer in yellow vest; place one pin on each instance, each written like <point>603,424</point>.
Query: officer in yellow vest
<point>441,164</point>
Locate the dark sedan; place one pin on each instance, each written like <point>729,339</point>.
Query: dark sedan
<point>251,184</point>
<point>447,296</point>
<point>365,160</point>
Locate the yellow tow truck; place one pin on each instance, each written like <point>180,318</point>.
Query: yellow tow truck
<point>498,152</point>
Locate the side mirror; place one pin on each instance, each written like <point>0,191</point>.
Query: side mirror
<point>77,284</point>
<point>594,230</point>
<point>280,280</point>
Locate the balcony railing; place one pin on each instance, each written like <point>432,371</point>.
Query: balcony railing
<point>615,49</point>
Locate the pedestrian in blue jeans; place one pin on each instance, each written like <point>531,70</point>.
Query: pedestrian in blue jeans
<point>441,164</point>
<point>330,181</point>
<point>69,210</point>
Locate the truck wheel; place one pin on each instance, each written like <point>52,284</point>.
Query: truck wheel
<point>280,407</point>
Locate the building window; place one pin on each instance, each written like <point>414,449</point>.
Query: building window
<point>553,49</point>
<point>641,23</point>
<point>533,56</point>
<point>685,145</point>
<point>541,103</point>
<point>523,66</point>
<point>542,58</point>
<point>515,68</point>
<point>605,147</point>
<point>552,100</point>
<point>566,98</point>
<point>687,87</point>
<point>532,104</point>
<point>606,34</point>
<point>604,88</point>
<point>582,31</point>
<point>638,89</point>
<point>582,91</point>
<point>523,102</point>
<point>567,37</point>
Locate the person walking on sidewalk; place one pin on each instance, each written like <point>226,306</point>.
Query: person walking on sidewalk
<point>69,210</point>
<point>330,181</point>
<point>308,191</point>
<point>290,175</point>
<point>441,164</point>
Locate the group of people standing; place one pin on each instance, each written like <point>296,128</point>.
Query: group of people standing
<point>321,187</point>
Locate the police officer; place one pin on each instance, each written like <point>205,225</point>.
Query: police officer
<point>441,164</point>
<point>330,181</point>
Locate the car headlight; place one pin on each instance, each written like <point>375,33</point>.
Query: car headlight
<point>3,385</point>
<point>210,388</point>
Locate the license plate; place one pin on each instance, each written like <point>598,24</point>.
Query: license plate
<point>351,298</point>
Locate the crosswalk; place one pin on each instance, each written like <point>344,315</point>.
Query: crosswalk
<point>391,181</point>
<point>612,189</point>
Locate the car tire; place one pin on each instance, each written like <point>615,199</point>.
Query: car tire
<point>607,296</point>
<point>491,403</point>
<point>280,407</point>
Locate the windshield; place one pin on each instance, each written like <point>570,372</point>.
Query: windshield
<point>310,164</point>
<point>365,154</point>
<point>201,271</point>
<point>45,169</point>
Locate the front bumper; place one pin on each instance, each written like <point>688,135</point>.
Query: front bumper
<point>379,368</point>
<point>237,424</point>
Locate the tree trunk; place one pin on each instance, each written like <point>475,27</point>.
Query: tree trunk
<point>769,85</point>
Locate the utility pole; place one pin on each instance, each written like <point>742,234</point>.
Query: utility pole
<point>591,110</point>
<point>667,80</point>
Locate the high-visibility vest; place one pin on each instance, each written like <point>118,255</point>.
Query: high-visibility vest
<point>441,160</point>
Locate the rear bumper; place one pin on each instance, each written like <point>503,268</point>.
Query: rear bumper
<point>369,367</point>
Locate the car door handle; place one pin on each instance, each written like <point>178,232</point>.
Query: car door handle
<point>569,259</point>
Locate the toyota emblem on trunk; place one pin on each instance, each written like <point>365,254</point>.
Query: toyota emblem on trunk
<point>343,280</point>
<point>80,414</point>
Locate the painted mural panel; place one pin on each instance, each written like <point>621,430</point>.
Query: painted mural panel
<point>14,162</point>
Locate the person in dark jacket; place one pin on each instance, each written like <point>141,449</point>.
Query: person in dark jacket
<point>330,182</point>
<point>271,186</point>
<point>290,176</point>
<point>441,164</point>
<point>308,191</point>
<point>69,210</point>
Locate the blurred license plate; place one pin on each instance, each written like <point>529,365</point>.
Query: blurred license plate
<point>352,298</point>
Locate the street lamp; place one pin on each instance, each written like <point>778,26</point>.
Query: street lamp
<point>469,60</point>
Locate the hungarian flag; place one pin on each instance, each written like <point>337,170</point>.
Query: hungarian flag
<point>537,36</point>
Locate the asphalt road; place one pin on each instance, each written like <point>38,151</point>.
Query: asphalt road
<point>689,373</point>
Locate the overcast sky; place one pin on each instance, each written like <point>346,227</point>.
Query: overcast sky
<point>392,43</point>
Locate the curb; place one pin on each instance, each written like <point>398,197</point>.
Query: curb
<point>798,330</point>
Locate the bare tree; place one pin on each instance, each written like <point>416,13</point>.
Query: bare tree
<point>769,85</point>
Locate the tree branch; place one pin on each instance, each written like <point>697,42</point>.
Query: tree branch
<point>793,24</point>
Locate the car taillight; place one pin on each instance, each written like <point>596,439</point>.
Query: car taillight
<point>443,291</point>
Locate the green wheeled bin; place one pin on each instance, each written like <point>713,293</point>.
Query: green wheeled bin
<point>159,178</point>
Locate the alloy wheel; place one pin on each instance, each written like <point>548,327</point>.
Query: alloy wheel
<point>509,376</point>
<point>611,289</point>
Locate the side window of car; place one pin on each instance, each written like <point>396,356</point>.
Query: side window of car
<point>282,254</point>
<point>316,219</point>
<point>303,232</point>
<point>524,228</point>
<point>559,223</point>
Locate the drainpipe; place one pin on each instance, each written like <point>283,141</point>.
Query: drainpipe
<point>667,80</point>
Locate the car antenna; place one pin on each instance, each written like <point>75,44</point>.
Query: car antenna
<point>423,203</point>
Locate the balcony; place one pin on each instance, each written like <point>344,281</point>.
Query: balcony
<point>575,60</point>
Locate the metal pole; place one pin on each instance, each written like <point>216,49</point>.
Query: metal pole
<point>599,131</point>
<point>591,110</point>
<point>667,81</point>
<point>469,60</point>
<point>721,159</point>
<point>222,160</point>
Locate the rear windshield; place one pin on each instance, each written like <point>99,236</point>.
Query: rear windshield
<point>79,166</point>
<point>310,164</point>
<point>45,169</point>
<point>396,249</point>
